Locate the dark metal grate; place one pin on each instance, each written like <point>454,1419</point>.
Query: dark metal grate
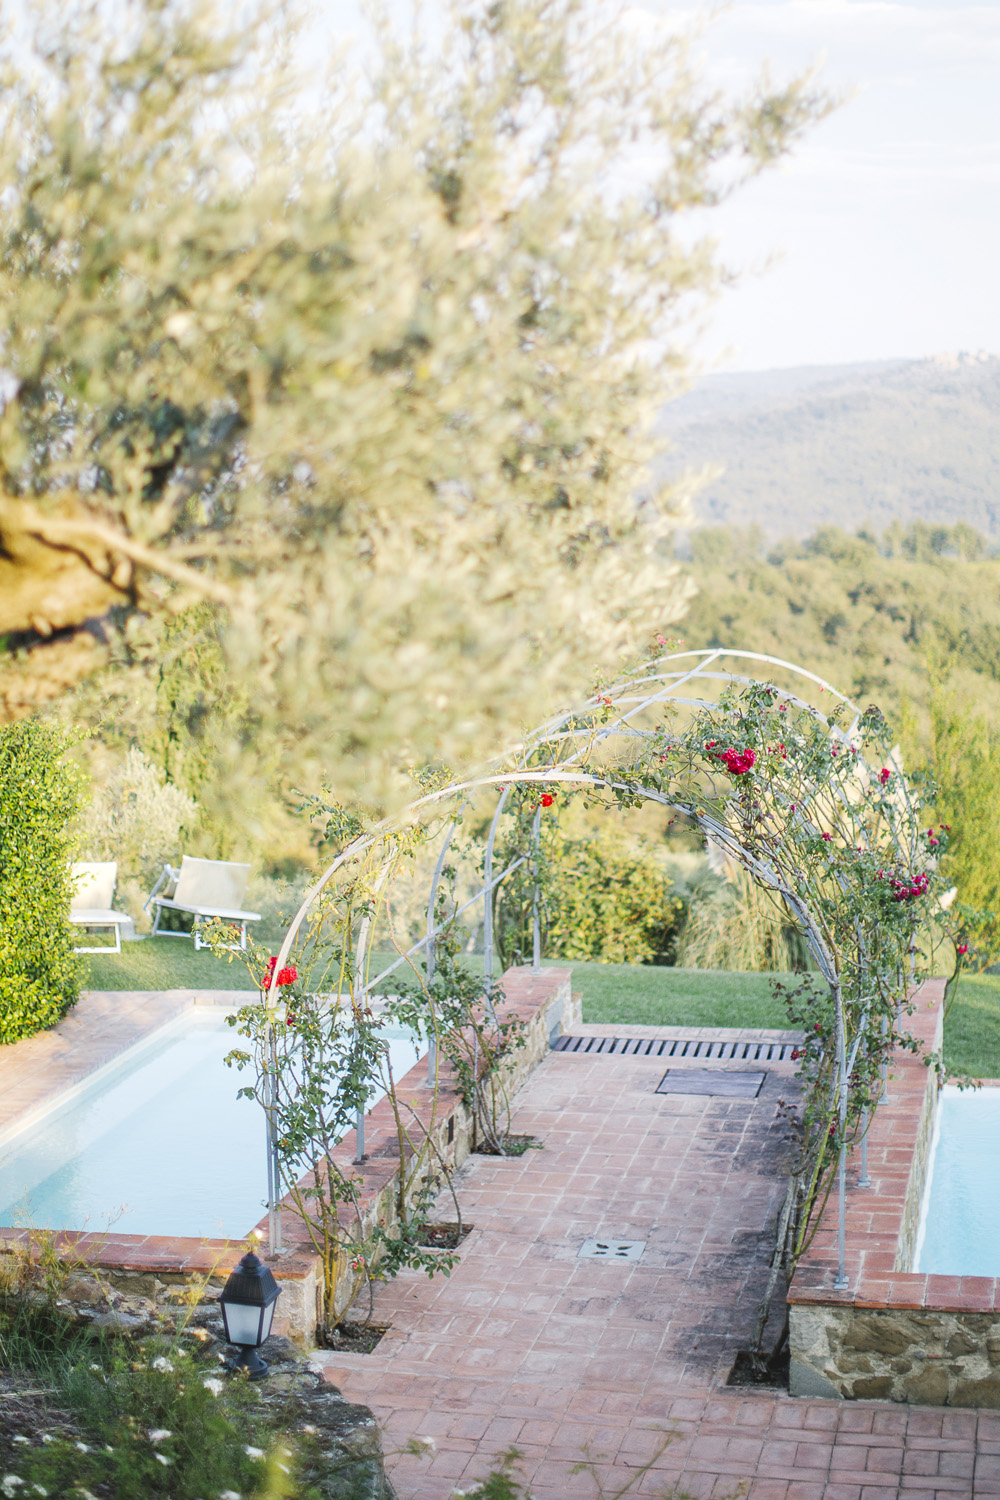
<point>715,1081</point>
<point>704,1050</point>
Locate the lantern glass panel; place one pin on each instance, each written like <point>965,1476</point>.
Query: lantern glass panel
<point>266,1320</point>
<point>243,1322</point>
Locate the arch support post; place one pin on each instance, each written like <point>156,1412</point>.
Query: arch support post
<point>536,913</point>
<point>841,1283</point>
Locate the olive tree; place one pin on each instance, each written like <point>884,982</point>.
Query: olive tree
<point>351,385</point>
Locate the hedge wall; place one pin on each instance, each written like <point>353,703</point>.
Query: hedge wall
<point>39,794</point>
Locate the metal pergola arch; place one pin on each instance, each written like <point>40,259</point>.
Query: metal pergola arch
<point>680,678</point>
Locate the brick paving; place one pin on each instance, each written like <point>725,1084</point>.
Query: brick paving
<point>624,1363</point>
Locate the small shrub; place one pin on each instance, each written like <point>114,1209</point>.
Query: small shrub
<point>39,795</point>
<point>136,818</point>
<point>600,901</point>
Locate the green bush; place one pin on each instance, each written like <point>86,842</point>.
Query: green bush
<point>39,794</point>
<point>600,900</point>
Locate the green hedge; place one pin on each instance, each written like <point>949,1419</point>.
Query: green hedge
<point>40,975</point>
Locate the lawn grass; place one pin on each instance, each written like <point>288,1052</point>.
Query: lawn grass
<point>171,963</point>
<point>617,994</point>
<point>649,995</point>
<point>164,963</point>
<point>972,1030</point>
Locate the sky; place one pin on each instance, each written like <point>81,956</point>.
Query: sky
<point>887,217</point>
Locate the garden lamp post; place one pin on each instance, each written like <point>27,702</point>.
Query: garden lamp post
<point>247,1304</point>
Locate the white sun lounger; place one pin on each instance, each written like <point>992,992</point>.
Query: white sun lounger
<point>205,888</point>
<point>91,903</point>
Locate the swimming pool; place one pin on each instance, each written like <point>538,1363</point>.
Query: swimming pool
<point>161,1131</point>
<point>959,1233</point>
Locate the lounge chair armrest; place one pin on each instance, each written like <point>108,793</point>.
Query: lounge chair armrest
<point>167,873</point>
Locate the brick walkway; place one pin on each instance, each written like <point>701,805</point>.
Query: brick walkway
<point>568,1359</point>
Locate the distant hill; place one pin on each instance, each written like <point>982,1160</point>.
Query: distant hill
<point>845,445</point>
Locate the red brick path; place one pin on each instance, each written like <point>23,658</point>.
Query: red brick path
<point>527,1345</point>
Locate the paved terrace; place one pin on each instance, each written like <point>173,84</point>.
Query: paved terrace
<point>528,1345</point>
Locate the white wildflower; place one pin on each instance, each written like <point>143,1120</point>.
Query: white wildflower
<point>19,1437</point>
<point>230,1495</point>
<point>253,1452</point>
<point>11,1483</point>
<point>81,1447</point>
<point>424,1445</point>
<point>215,1386</point>
<point>161,1458</point>
<point>307,1427</point>
<point>94,1367</point>
<point>39,1489</point>
<point>162,1363</point>
<point>158,1434</point>
<point>47,1437</point>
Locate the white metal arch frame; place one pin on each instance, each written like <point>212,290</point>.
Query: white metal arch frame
<point>552,754</point>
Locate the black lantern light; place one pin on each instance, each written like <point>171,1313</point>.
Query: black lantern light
<point>247,1304</point>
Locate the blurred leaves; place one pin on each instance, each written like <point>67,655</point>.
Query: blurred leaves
<point>368,375</point>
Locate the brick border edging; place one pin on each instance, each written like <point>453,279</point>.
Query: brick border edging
<point>542,1000</point>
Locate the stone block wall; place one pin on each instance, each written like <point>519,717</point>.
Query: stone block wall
<point>931,1357</point>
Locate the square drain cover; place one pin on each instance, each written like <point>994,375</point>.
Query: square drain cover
<point>611,1249</point>
<point>711,1081</point>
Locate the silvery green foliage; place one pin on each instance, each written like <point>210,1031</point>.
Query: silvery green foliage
<point>375,378</point>
<point>136,818</point>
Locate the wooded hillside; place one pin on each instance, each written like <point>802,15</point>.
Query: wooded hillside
<point>848,446</point>
<point>879,618</point>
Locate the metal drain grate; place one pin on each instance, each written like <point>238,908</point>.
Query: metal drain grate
<point>699,1047</point>
<point>611,1249</point>
<point>717,1081</point>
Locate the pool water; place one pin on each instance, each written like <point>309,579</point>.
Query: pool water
<point>157,1143</point>
<point>959,1232</point>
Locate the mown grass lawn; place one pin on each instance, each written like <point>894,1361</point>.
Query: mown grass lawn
<point>164,963</point>
<point>618,994</point>
<point>648,995</point>
<point>972,1030</point>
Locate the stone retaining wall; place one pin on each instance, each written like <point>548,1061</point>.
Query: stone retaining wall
<point>931,1357</point>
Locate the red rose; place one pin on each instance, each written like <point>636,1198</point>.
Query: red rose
<point>828,838</point>
<point>548,799</point>
<point>288,976</point>
<point>884,775</point>
<point>962,949</point>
